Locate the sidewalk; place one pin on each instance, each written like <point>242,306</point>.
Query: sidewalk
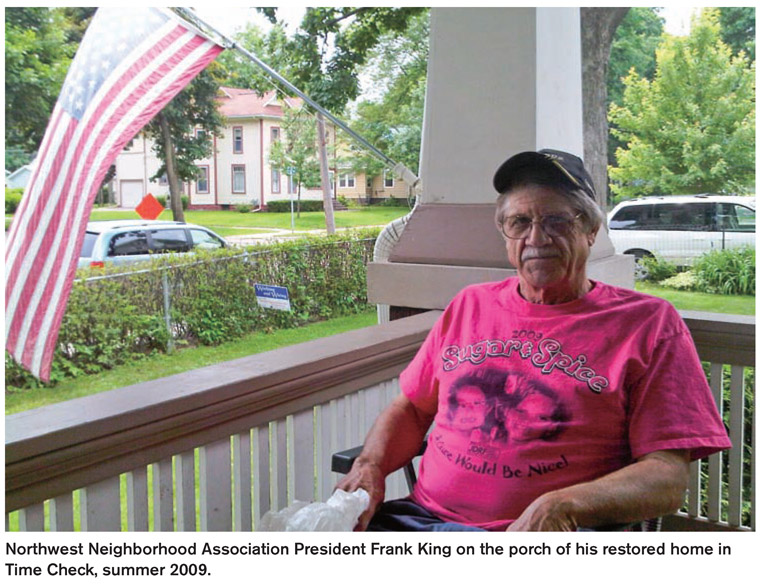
<point>281,234</point>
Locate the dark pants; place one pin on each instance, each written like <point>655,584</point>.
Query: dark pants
<point>404,515</point>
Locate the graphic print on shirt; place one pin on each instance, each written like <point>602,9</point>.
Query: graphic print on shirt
<point>497,409</point>
<point>546,354</point>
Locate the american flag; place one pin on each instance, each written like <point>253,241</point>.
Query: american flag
<point>130,64</point>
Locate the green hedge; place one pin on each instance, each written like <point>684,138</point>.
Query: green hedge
<point>285,205</point>
<point>12,199</point>
<point>115,320</point>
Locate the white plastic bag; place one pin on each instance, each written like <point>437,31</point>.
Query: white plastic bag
<point>339,514</point>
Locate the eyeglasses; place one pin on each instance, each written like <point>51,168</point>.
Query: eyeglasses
<point>519,226</point>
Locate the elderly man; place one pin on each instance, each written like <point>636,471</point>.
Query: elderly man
<point>602,403</point>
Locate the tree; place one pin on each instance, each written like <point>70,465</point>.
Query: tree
<point>183,133</point>
<point>692,129</point>
<point>634,45</point>
<point>326,52</point>
<point>37,57</point>
<point>296,152</point>
<point>597,28</point>
<point>393,121</point>
<point>738,29</point>
<point>240,72</point>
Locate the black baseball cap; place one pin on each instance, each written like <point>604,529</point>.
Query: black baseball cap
<point>569,168</point>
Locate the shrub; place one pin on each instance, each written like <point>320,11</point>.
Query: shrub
<point>729,272</point>
<point>121,319</point>
<point>12,199</point>
<point>285,206</point>
<point>392,202</point>
<point>164,201</point>
<point>243,208</point>
<point>682,281</point>
<point>658,269</point>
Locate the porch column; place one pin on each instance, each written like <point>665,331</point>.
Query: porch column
<point>500,81</point>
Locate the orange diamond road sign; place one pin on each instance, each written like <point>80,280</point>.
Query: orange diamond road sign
<point>149,208</point>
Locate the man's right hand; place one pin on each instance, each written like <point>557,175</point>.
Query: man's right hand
<point>369,477</point>
<point>392,442</point>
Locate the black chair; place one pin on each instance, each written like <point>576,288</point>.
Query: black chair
<point>341,462</point>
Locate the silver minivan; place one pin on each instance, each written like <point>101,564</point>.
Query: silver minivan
<point>681,228</point>
<point>121,242</point>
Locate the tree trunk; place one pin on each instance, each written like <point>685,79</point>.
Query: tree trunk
<point>175,197</point>
<point>327,190</point>
<point>598,26</point>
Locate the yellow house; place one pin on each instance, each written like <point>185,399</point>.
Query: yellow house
<point>238,171</point>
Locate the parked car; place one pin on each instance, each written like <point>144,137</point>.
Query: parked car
<point>121,242</point>
<point>681,228</point>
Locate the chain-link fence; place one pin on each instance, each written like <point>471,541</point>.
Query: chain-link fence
<point>114,318</point>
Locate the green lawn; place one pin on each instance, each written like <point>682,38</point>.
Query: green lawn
<point>702,302</point>
<point>220,221</point>
<point>182,360</point>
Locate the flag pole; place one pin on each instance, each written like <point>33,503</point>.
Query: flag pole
<point>399,169</point>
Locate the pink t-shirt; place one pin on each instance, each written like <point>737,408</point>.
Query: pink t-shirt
<point>530,398</point>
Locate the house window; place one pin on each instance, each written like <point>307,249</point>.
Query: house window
<point>202,180</point>
<point>388,179</point>
<point>200,133</point>
<point>346,180</point>
<point>237,139</point>
<point>275,181</point>
<point>274,134</point>
<point>239,179</point>
<point>163,180</point>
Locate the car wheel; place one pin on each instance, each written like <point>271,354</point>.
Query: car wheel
<point>641,272</point>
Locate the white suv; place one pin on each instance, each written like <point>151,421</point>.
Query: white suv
<point>681,228</point>
<point>121,242</point>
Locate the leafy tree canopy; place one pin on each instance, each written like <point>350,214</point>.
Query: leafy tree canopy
<point>295,154</point>
<point>692,128</point>
<point>38,52</point>
<point>738,29</point>
<point>393,121</point>
<point>332,43</point>
<point>193,109</point>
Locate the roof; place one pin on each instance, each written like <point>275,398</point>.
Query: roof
<point>240,103</point>
<point>104,225</point>
<point>685,199</point>
<point>28,168</point>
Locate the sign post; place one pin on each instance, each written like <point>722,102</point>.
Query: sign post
<point>290,171</point>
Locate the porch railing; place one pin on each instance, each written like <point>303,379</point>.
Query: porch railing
<point>216,448</point>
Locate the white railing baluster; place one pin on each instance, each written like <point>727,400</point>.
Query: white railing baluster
<point>242,481</point>
<point>163,508</point>
<point>100,506</point>
<point>32,519</point>
<point>693,487</point>
<point>323,450</point>
<point>185,491</point>
<point>301,447</point>
<point>737,436</point>
<point>62,513</point>
<point>137,500</point>
<point>216,491</point>
<point>715,460</point>
<point>279,451</point>
<point>262,492</point>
